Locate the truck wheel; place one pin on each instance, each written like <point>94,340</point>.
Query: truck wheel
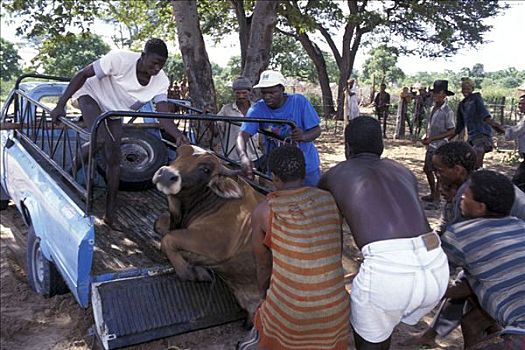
<point>142,155</point>
<point>42,274</point>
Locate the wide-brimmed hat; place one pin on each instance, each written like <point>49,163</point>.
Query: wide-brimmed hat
<point>270,78</point>
<point>521,87</point>
<point>441,85</point>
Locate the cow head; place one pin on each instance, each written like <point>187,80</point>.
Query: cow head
<point>194,169</point>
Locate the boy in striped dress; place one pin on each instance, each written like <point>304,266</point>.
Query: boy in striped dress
<point>490,247</point>
<point>297,240</point>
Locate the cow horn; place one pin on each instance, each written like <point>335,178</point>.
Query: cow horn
<point>229,172</point>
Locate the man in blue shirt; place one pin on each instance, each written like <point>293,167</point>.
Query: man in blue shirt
<point>276,104</point>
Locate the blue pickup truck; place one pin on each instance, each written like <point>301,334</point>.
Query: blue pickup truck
<point>133,290</point>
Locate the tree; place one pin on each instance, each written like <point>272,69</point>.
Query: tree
<point>382,64</point>
<point>64,56</point>
<point>9,66</point>
<point>430,28</point>
<point>477,73</point>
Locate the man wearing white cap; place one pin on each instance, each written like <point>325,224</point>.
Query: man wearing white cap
<point>276,104</point>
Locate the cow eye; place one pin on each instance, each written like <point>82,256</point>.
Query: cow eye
<point>205,170</point>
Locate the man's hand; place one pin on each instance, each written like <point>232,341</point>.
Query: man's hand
<point>58,111</point>
<point>247,166</point>
<point>297,134</point>
<point>426,141</point>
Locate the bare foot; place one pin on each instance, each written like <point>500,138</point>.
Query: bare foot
<point>426,338</point>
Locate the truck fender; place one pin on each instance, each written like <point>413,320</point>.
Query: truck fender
<point>33,216</point>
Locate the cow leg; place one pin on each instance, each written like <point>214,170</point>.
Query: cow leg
<point>162,224</point>
<point>170,245</point>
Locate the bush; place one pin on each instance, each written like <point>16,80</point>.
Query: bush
<point>316,101</point>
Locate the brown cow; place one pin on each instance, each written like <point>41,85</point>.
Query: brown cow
<point>209,222</point>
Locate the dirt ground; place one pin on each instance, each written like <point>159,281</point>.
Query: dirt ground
<point>32,322</point>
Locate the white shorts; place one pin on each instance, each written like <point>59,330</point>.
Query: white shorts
<point>400,280</point>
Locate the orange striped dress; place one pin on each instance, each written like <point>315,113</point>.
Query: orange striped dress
<point>306,305</point>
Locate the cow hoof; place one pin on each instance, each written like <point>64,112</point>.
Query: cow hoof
<point>201,274</point>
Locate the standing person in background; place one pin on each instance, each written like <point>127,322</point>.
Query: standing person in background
<point>297,241</point>
<point>276,104</point>
<point>120,80</point>
<point>242,88</point>
<point>517,132</point>
<point>351,101</point>
<point>473,114</point>
<point>441,123</point>
<point>402,113</point>
<point>420,108</point>
<point>382,103</point>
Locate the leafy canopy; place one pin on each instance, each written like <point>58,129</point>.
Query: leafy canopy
<point>64,56</point>
<point>9,67</point>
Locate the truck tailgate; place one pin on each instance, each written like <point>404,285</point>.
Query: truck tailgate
<point>135,310</point>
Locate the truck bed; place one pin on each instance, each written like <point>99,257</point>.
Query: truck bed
<point>137,245</point>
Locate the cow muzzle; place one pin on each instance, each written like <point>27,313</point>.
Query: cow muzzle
<point>167,180</point>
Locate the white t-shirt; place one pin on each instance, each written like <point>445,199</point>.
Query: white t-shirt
<point>115,85</point>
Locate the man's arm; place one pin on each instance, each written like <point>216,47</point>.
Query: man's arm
<point>246,163</point>
<point>447,134</point>
<point>496,126</point>
<point>76,83</point>
<point>263,255</point>
<point>169,125</point>
<point>300,135</point>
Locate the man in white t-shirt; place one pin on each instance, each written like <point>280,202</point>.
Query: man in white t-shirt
<point>120,80</point>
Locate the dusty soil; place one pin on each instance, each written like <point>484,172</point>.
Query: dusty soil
<point>32,322</point>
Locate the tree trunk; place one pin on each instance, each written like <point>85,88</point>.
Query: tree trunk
<point>197,65</point>
<point>316,56</point>
<point>264,20</point>
<point>244,29</point>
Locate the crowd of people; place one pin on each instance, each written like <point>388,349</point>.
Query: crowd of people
<point>297,230</point>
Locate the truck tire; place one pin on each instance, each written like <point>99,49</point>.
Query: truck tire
<point>142,155</point>
<point>42,275</point>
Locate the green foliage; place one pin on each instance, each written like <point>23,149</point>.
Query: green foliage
<point>64,56</point>
<point>316,101</point>
<point>174,67</point>
<point>288,56</point>
<point>382,64</point>
<point>9,67</point>
<point>137,21</point>
<point>47,19</point>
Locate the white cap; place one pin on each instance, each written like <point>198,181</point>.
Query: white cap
<point>522,87</point>
<point>270,78</point>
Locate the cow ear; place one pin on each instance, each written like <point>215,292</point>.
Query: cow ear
<point>225,187</point>
<point>185,150</point>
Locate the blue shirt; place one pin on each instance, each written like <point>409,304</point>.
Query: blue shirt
<point>492,253</point>
<point>296,108</point>
<point>472,114</point>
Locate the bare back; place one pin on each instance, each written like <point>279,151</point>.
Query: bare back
<point>377,197</point>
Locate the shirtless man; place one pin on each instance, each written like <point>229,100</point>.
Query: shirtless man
<point>405,271</point>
